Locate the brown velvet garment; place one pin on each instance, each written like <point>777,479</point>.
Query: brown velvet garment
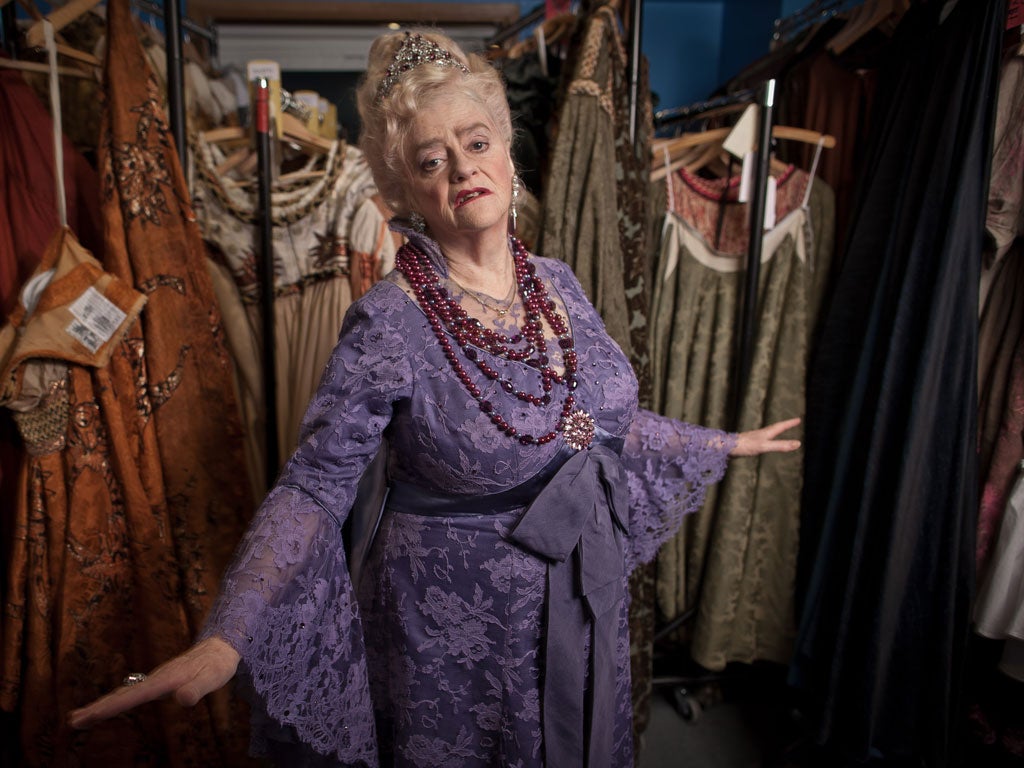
<point>130,513</point>
<point>827,95</point>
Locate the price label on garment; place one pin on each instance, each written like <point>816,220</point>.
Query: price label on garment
<point>96,319</point>
<point>770,199</point>
<point>742,139</point>
<point>1015,14</point>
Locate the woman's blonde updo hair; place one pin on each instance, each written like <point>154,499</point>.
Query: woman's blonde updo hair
<point>386,122</point>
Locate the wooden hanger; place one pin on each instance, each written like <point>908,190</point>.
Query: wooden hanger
<point>550,31</point>
<point>38,66</point>
<point>869,16</point>
<point>62,47</point>
<point>293,131</point>
<point>60,18</point>
<point>241,156</point>
<point>712,157</point>
<point>717,135</point>
<point>680,148</point>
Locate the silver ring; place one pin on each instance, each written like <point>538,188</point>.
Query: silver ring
<point>133,679</point>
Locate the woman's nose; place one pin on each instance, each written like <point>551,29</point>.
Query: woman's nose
<point>463,167</point>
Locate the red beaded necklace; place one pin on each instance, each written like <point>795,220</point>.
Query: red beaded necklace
<point>446,316</point>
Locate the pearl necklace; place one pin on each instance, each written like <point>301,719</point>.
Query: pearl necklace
<point>528,345</point>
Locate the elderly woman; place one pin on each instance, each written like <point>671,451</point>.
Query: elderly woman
<point>488,625</point>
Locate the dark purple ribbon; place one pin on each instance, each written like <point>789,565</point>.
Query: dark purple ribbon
<point>576,524</point>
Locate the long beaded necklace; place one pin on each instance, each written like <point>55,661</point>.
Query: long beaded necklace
<point>528,345</point>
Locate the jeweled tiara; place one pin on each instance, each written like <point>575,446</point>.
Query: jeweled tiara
<point>413,51</point>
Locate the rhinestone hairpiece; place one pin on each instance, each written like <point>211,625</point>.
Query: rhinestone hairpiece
<point>413,51</point>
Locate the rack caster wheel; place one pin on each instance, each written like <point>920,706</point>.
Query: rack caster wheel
<point>687,705</point>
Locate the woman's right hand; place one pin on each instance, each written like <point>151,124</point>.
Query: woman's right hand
<point>203,668</point>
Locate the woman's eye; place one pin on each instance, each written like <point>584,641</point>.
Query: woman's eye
<point>478,146</point>
<point>431,164</point>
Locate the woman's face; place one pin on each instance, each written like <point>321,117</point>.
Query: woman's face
<point>460,169</point>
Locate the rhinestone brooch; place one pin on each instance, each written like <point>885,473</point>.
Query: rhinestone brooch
<point>578,430</point>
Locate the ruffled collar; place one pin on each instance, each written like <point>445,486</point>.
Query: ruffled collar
<point>423,241</point>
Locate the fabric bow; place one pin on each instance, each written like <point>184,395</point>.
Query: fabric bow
<point>580,514</point>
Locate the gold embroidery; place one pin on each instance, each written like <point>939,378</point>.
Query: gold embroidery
<point>139,169</point>
<point>163,281</point>
<point>161,393</point>
<point>135,348</point>
<point>44,427</point>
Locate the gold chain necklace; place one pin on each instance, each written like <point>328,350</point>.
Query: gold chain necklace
<point>489,303</point>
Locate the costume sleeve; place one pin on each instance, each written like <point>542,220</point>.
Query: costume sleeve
<point>287,603</point>
<point>669,466</point>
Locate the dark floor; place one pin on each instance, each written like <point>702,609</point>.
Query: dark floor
<point>743,721</point>
<point>750,721</point>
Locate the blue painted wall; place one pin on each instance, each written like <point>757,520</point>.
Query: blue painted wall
<point>683,45</point>
<point>694,46</point>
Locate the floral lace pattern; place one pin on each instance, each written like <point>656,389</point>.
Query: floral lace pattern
<point>452,611</point>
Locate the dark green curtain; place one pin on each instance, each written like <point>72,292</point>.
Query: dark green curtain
<point>891,493</point>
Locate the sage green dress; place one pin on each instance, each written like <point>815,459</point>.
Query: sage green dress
<point>736,560</point>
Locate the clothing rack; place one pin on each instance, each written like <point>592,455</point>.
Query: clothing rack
<point>664,117</point>
<point>634,49</point>
<point>207,33</point>
<point>517,26</point>
<point>748,307</point>
<point>820,10</point>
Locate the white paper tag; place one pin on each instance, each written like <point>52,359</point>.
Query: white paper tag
<point>262,68</point>
<point>96,319</point>
<point>743,137</point>
<point>769,203</point>
<point>746,178</point>
<point>84,335</point>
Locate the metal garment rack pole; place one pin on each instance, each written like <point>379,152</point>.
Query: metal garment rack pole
<point>187,24</point>
<point>748,306</point>
<point>175,75</point>
<point>9,24</point>
<point>269,357</point>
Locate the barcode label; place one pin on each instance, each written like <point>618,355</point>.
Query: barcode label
<point>84,335</point>
<point>97,319</point>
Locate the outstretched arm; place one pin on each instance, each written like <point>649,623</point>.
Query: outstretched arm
<point>765,440</point>
<point>202,669</point>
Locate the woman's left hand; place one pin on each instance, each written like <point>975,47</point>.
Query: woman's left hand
<point>763,440</point>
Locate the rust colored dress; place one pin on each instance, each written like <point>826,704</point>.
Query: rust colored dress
<point>134,501</point>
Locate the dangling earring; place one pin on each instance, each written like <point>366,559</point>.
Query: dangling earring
<point>516,186</point>
<point>417,222</point>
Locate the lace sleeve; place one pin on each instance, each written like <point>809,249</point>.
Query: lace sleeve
<point>287,603</point>
<point>669,466</point>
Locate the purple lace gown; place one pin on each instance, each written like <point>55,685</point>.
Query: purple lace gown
<point>440,660</point>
